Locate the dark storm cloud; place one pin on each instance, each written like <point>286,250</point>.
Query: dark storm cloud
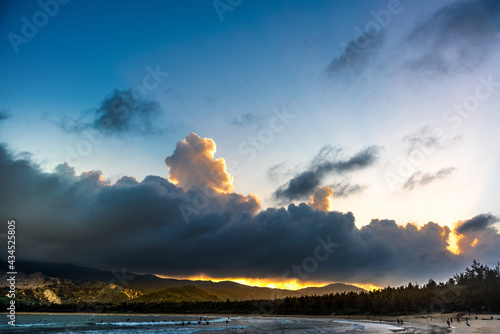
<point>62,217</point>
<point>477,223</point>
<point>303,184</point>
<point>123,111</point>
<point>420,178</point>
<point>457,38</point>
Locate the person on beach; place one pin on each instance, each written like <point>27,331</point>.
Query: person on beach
<point>398,320</point>
<point>448,322</point>
<point>467,322</point>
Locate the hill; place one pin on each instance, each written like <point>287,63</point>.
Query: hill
<point>331,288</point>
<point>73,283</point>
<point>184,293</point>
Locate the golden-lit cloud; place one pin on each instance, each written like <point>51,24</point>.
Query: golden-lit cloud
<point>474,243</point>
<point>470,233</point>
<point>453,243</point>
<point>320,200</point>
<point>193,165</point>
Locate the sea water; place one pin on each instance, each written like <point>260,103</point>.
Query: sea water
<point>127,324</point>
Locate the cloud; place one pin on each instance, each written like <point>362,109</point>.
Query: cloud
<point>355,55</point>
<point>344,189</point>
<point>456,38</point>
<point>4,114</point>
<point>193,165</point>
<point>477,223</point>
<point>420,178</point>
<point>85,220</point>
<point>428,139</point>
<point>476,235</point>
<point>122,111</point>
<point>247,119</point>
<point>320,200</point>
<point>304,183</point>
<point>193,168</point>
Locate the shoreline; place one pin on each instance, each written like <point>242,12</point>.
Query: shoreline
<point>437,322</point>
<point>429,323</point>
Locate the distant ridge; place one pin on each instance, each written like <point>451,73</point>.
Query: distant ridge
<point>151,285</point>
<point>330,288</point>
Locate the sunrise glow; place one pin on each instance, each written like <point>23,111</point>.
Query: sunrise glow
<point>453,240</point>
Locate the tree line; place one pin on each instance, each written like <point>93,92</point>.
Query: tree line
<point>475,290</point>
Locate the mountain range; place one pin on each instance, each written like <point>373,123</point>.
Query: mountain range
<point>58,283</point>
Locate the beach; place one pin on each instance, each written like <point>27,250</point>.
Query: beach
<point>436,323</point>
<point>222,324</point>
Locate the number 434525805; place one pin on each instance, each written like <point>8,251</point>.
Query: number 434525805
<point>11,243</point>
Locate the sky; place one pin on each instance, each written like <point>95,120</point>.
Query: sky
<point>279,142</point>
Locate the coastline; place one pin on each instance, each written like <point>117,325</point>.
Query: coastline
<point>429,323</point>
<point>436,322</point>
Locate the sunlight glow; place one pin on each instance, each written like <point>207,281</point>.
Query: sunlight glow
<point>272,283</point>
<point>473,244</point>
<point>453,240</point>
<point>367,286</point>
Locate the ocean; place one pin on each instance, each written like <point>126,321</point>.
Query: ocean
<point>127,324</point>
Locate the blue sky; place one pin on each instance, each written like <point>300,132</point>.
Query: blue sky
<point>226,68</point>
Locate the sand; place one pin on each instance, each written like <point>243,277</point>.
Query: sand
<point>424,324</point>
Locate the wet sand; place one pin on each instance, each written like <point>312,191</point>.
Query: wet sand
<point>436,323</point>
